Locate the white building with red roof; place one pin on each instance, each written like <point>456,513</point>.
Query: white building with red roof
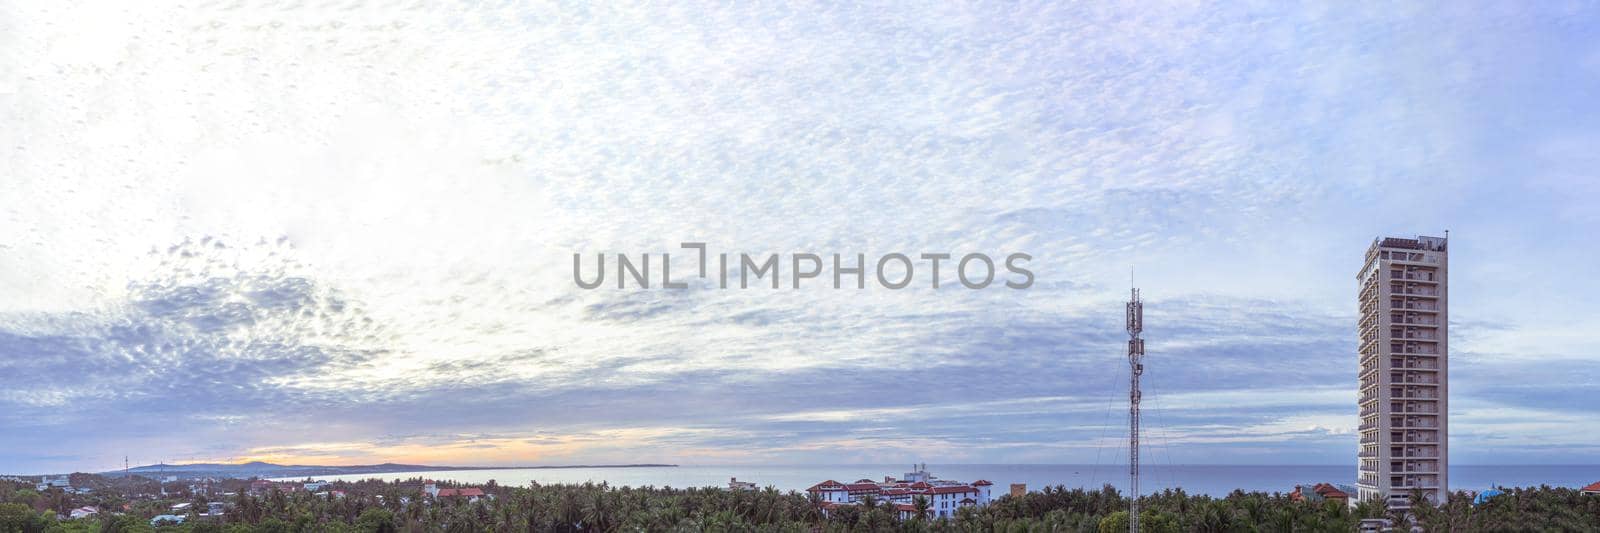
<point>470,494</point>
<point>944,497</point>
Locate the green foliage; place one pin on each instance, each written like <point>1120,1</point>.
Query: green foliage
<point>21,518</point>
<point>1150,521</point>
<point>124,524</point>
<point>26,496</point>
<point>1114,523</point>
<point>400,507</point>
<point>376,520</point>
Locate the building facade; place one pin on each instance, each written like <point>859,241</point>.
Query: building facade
<point>943,498</point>
<point>1404,371</point>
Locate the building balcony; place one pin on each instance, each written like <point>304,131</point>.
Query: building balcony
<point>1410,485</point>
<point>1416,410</point>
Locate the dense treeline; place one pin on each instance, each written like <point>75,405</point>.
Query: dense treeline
<point>376,506</point>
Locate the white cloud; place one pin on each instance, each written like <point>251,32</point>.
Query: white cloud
<point>428,174</point>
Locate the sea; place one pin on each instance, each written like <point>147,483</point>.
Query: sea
<point>1214,480</point>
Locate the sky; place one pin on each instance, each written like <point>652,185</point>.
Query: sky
<point>343,234</point>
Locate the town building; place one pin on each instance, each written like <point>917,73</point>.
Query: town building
<point>167,520</point>
<point>47,483</point>
<point>1403,354</point>
<point>735,485</point>
<point>943,497</point>
<point>1318,493</point>
<point>470,494</point>
<point>265,486</point>
<point>1593,489</point>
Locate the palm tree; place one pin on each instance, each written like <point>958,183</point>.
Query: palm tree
<point>568,512</point>
<point>921,504</point>
<point>597,514</point>
<point>1214,518</point>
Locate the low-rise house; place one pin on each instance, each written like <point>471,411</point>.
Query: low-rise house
<point>166,519</point>
<point>470,494</point>
<point>1318,493</point>
<point>735,485</point>
<point>83,512</point>
<point>1593,489</point>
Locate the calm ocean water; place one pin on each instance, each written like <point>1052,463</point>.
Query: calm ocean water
<point>1216,480</point>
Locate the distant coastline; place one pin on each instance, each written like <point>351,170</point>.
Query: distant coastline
<point>269,470</point>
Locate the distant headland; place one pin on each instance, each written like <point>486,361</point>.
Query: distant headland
<point>269,470</point>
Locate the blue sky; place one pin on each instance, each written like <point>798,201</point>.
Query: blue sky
<point>344,235</point>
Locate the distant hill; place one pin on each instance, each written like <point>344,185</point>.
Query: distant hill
<point>269,470</point>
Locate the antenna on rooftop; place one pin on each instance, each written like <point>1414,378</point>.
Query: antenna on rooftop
<point>1136,367</point>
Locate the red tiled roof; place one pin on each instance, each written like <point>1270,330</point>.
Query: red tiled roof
<point>1593,487</point>
<point>469,492</point>
<point>920,485</point>
<point>1330,491</point>
<point>826,485</point>
<point>981,483</point>
<point>863,487</point>
<point>905,507</point>
<point>951,490</point>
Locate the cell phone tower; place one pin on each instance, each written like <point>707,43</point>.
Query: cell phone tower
<point>1136,367</point>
